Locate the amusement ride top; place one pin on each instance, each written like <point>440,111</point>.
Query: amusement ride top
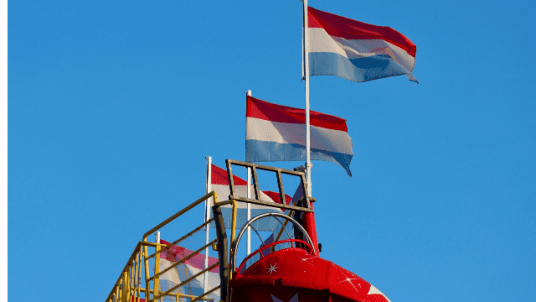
<point>288,268</point>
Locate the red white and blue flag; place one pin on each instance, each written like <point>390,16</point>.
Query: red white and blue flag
<point>357,51</point>
<point>187,269</point>
<point>277,133</point>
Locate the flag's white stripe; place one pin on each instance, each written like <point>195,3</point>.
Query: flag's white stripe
<point>171,275</point>
<point>286,133</point>
<point>223,194</point>
<point>321,41</point>
<point>213,278</point>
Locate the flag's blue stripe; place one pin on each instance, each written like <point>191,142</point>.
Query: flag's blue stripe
<point>268,224</point>
<point>258,151</point>
<point>357,70</point>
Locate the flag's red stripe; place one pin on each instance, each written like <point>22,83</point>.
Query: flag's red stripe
<point>277,113</point>
<point>276,197</point>
<point>337,26</point>
<point>220,177</point>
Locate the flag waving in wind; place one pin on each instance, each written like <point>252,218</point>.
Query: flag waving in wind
<point>357,51</point>
<point>277,133</point>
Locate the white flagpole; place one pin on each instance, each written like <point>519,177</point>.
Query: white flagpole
<point>207,217</point>
<point>307,118</point>
<point>248,195</point>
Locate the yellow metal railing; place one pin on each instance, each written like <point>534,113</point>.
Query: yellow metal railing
<point>128,287</point>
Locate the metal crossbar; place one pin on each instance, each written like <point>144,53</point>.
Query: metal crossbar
<point>182,238</point>
<point>188,280</point>
<point>279,172</point>
<point>205,294</point>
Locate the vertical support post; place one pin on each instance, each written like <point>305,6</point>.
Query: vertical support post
<point>307,116</point>
<point>248,195</point>
<point>233,243</point>
<point>130,281</point>
<point>126,287</point>
<point>156,266</point>
<point>146,269</point>
<point>223,250</point>
<point>138,274</point>
<point>207,217</point>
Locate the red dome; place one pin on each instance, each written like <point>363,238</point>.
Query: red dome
<point>294,274</point>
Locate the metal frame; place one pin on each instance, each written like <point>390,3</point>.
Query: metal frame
<point>279,172</point>
<point>128,286</point>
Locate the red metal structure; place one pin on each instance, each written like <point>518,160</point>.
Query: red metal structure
<point>286,269</point>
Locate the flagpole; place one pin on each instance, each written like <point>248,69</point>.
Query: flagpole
<point>307,117</point>
<point>207,217</point>
<point>248,195</point>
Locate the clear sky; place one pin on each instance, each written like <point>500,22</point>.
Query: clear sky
<point>113,106</point>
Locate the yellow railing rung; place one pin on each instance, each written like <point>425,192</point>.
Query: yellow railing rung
<point>188,280</point>
<point>203,295</point>
<point>163,223</point>
<point>182,238</point>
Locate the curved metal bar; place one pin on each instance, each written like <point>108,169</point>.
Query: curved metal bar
<point>283,227</point>
<point>237,241</point>
<point>258,235</point>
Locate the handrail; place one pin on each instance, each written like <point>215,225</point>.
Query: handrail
<point>159,226</point>
<point>128,287</point>
<point>188,280</point>
<point>203,295</point>
<point>163,223</point>
<point>182,238</point>
<point>182,260</point>
<point>137,251</point>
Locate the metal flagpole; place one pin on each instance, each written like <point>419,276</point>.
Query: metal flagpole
<point>307,118</point>
<point>248,195</point>
<point>207,217</point>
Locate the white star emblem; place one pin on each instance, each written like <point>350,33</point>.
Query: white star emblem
<point>349,280</point>
<point>294,299</point>
<point>272,268</point>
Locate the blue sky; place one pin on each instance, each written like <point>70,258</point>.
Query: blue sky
<point>113,106</point>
